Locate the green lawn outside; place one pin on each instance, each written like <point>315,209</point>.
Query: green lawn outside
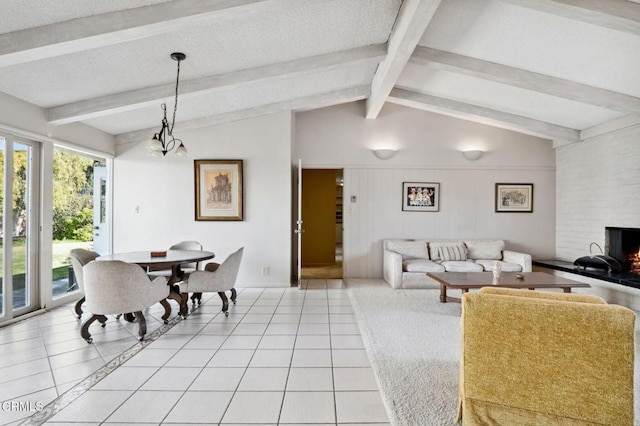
<point>61,259</point>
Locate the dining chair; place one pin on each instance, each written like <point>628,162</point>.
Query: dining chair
<point>113,286</point>
<point>215,278</point>
<point>186,268</point>
<point>79,258</point>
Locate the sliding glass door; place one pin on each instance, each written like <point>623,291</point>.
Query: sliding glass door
<point>80,214</point>
<point>19,171</point>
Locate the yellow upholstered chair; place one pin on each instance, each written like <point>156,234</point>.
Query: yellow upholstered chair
<point>537,358</point>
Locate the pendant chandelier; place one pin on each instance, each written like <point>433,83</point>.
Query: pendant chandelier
<point>164,141</point>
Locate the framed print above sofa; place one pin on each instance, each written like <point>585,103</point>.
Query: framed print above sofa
<point>420,196</point>
<point>514,197</point>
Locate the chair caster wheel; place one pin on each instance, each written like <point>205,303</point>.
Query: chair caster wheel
<point>79,317</point>
<point>166,321</point>
<point>104,325</point>
<point>226,314</point>
<point>89,340</point>
<point>141,339</point>
<point>234,302</point>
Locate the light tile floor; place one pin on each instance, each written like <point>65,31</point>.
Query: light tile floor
<point>283,356</point>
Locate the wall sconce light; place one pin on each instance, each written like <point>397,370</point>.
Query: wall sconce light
<point>472,155</point>
<point>384,154</point>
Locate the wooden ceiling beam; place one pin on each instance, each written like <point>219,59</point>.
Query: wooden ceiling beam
<point>413,18</point>
<point>483,115</point>
<point>121,26</point>
<point>619,15</point>
<point>526,80</point>
<point>299,104</point>
<point>120,102</point>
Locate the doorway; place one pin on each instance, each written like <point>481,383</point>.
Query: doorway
<point>322,202</point>
<point>80,214</point>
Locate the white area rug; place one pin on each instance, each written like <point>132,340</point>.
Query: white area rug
<point>413,342</point>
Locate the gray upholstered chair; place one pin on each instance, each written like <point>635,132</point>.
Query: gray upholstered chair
<point>218,278</point>
<point>79,258</point>
<point>112,287</point>
<point>186,268</point>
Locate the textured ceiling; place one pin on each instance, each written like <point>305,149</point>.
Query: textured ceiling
<point>538,42</point>
<point>21,14</point>
<point>552,68</point>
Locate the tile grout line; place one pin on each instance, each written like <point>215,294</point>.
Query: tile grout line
<point>219,348</point>
<point>55,406</point>
<point>293,351</point>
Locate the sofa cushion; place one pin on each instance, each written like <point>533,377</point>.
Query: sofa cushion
<point>435,245</point>
<point>461,266</point>
<point>409,249</point>
<point>421,265</point>
<point>487,264</point>
<point>452,252</point>
<point>485,249</point>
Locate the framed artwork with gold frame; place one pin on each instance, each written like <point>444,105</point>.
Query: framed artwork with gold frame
<point>218,189</point>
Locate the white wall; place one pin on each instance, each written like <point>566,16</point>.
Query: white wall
<point>429,150</point>
<point>163,188</point>
<point>27,118</point>
<point>598,185</point>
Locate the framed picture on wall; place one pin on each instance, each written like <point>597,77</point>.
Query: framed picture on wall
<point>218,189</point>
<point>514,197</point>
<point>420,196</point>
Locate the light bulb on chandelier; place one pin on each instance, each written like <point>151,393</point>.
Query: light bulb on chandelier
<point>164,141</point>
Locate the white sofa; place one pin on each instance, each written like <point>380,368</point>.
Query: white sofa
<point>406,262</point>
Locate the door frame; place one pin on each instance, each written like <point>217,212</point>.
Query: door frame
<point>297,217</point>
<point>33,227</point>
<point>46,265</point>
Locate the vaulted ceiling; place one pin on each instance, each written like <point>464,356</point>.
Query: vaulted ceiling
<point>551,68</point>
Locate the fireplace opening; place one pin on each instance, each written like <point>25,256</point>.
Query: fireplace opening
<point>623,244</point>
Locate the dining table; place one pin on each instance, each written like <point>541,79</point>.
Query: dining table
<point>169,259</point>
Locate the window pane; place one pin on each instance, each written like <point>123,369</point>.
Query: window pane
<point>20,259</point>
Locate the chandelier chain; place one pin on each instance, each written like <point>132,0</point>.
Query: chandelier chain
<point>175,105</point>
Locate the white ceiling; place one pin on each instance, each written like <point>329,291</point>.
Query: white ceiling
<point>550,68</point>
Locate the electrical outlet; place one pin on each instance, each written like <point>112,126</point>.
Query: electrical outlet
<point>265,271</point>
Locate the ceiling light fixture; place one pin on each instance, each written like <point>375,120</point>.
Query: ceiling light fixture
<point>164,141</point>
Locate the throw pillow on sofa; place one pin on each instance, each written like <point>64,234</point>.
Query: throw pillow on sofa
<point>409,249</point>
<point>435,245</point>
<point>485,249</point>
<point>452,252</point>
